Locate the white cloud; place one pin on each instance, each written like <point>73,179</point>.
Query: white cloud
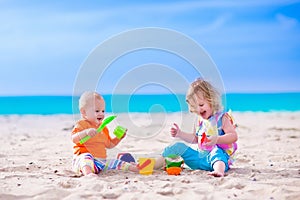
<point>212,26</point>
<point>287,22</point>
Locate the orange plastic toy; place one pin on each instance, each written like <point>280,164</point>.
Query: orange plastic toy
<point>173,170</point>
<point>174,164</point>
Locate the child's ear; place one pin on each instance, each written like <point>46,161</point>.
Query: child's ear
<point>82,111</point>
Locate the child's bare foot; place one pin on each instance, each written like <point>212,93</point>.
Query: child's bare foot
<point>91,175</point>
<point>219,169</point>
<point>216,174</point>
<point>160,163</point>
<point>86,170</point>
<point>133,167</point>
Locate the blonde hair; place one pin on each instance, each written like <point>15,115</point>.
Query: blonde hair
<point>209,93</point>
<point>87,98</point>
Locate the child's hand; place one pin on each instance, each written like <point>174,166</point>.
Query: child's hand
<point>212,140</point>
<point>175,130</point>
<point>124,135</point>
<point>91,132</point>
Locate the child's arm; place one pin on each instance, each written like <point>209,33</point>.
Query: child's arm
<point>115,141</point>
<point>76,137</point>
<point>188,137</point>
<point>230,135</point>
<point>230,132</point>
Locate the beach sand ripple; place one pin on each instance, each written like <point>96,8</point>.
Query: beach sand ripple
<point>36,154</point>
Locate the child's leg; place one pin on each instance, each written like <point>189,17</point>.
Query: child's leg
<point>159,163</point>
<point>84,163</point>
<point>116,164</point>
<point>86,170</point>
<point>178,149</point>
<point>219,162</point>
<point>191,157</point>
<point>219,169</point>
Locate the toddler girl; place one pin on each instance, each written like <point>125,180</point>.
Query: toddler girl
<point>215,153</point>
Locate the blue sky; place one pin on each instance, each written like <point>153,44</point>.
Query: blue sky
<point>255,44</point>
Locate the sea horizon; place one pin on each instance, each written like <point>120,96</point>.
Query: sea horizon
<point>145,103</point>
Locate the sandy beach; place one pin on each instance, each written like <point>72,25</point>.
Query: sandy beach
<point>36,155</point>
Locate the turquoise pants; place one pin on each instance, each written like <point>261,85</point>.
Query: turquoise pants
<point>197,159</point>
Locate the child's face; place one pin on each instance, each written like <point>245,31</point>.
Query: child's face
<point>202,106</point>
<point>94,112</point>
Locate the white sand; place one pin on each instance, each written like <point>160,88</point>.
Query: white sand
<point>36,154</point>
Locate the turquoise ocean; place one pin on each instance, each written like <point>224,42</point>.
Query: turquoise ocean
<point>48,105</point>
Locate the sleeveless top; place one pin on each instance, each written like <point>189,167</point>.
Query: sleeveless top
<point>212,126</point>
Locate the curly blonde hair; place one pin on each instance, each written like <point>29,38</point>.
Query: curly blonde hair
<point>209,92</point>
